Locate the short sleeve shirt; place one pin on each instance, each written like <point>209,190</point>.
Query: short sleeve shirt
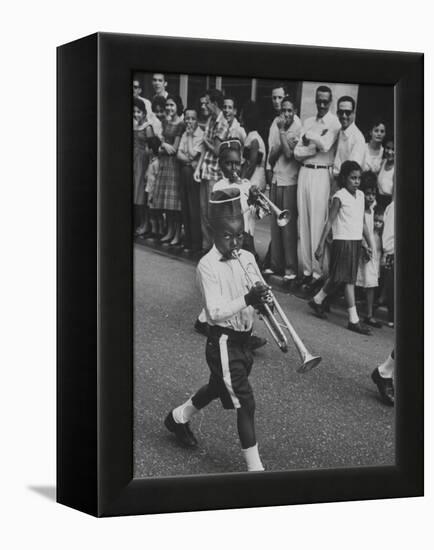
<point>348,224</point>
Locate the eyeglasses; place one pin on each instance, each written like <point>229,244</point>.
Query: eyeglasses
<point>135,87</point>
<point>323,101</point>
<point>346,112</point>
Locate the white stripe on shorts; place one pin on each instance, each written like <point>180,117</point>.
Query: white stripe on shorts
<point>224,358</point>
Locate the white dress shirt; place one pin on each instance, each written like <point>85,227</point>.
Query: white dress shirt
<point>322,134</point>
<point>351,146</point>
<point>223,285</point>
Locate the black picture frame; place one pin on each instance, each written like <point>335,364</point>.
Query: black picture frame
<point>95,274</point>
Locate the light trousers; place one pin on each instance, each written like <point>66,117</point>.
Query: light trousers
<point>313,206</point>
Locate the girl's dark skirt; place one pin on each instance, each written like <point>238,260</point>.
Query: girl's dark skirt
<point>344,261</point>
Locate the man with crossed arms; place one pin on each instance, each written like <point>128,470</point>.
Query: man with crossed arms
<point>316,152</point>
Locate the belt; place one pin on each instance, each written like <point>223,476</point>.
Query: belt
<point>314,166</point>
<point>216,331</point>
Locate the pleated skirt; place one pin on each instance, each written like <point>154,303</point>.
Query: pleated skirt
<point>344,261</point>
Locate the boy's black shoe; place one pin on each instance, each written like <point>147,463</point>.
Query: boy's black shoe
<point>317,308</point>
<point>385,387</point>
<point>182,432</point>
<point>256,342</point>
<point>360,329</point>
<point>201,328</point>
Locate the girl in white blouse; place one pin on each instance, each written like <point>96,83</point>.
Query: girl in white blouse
<point>347,222</point>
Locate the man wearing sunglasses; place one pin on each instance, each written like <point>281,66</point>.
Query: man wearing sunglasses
<point>316,151</point>
<point>351,142</point>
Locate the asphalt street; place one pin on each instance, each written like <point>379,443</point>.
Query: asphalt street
<point>330,417</point>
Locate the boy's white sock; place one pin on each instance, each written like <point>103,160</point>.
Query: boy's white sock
<point>184,412</point>
<point>386,368</point>
<point>251,456</point>
<point>202,316</point>
<point>352,314</point>
<point>319,298</point>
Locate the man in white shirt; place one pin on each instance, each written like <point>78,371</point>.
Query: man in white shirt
<point>236,131</point>
<point>316,151</point>
<point>351,141</point>
<point>283,191</point>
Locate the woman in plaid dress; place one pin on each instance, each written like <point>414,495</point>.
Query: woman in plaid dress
<point>166,195</point>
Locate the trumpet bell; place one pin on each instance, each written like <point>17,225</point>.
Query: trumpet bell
<point>309,363</point>
<point>283,218</point>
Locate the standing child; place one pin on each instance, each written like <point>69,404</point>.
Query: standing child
<point>346,220</point>
<point>189,152</point>
<point>229,299</point>
<point>389,261</point>
<point>230,164</point>
<point>367,275</point>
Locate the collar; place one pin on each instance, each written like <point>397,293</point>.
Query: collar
<point>326,118</point>
<point>350,131</point>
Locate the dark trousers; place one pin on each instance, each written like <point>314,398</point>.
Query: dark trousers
<point>190,209</point>
<point>284,239</point>
<point>389,286</point>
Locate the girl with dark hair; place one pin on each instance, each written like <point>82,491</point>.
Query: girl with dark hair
<point>346,220</point>
<point>368,273</point>
<point>374,147</point>
<point>166,196</point>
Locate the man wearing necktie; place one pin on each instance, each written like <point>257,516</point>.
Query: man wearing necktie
<point>316,152</point>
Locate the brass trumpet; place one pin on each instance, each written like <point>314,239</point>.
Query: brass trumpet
<point>267,207</point>
<point>276,327</point>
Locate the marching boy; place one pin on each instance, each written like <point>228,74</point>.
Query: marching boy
<point>229,295</point>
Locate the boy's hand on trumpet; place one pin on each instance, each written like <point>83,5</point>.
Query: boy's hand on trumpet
<point>253,194</point>
<point>257,295</point>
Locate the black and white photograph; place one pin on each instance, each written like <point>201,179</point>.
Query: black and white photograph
<point>316,435</point>
<point>263,235</point>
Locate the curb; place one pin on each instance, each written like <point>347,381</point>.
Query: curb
<point>277,283</point>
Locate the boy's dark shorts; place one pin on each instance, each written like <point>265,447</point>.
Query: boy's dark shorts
<point>230,362</point>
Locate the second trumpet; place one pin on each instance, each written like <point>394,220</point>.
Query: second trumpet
<point>266,207</point>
